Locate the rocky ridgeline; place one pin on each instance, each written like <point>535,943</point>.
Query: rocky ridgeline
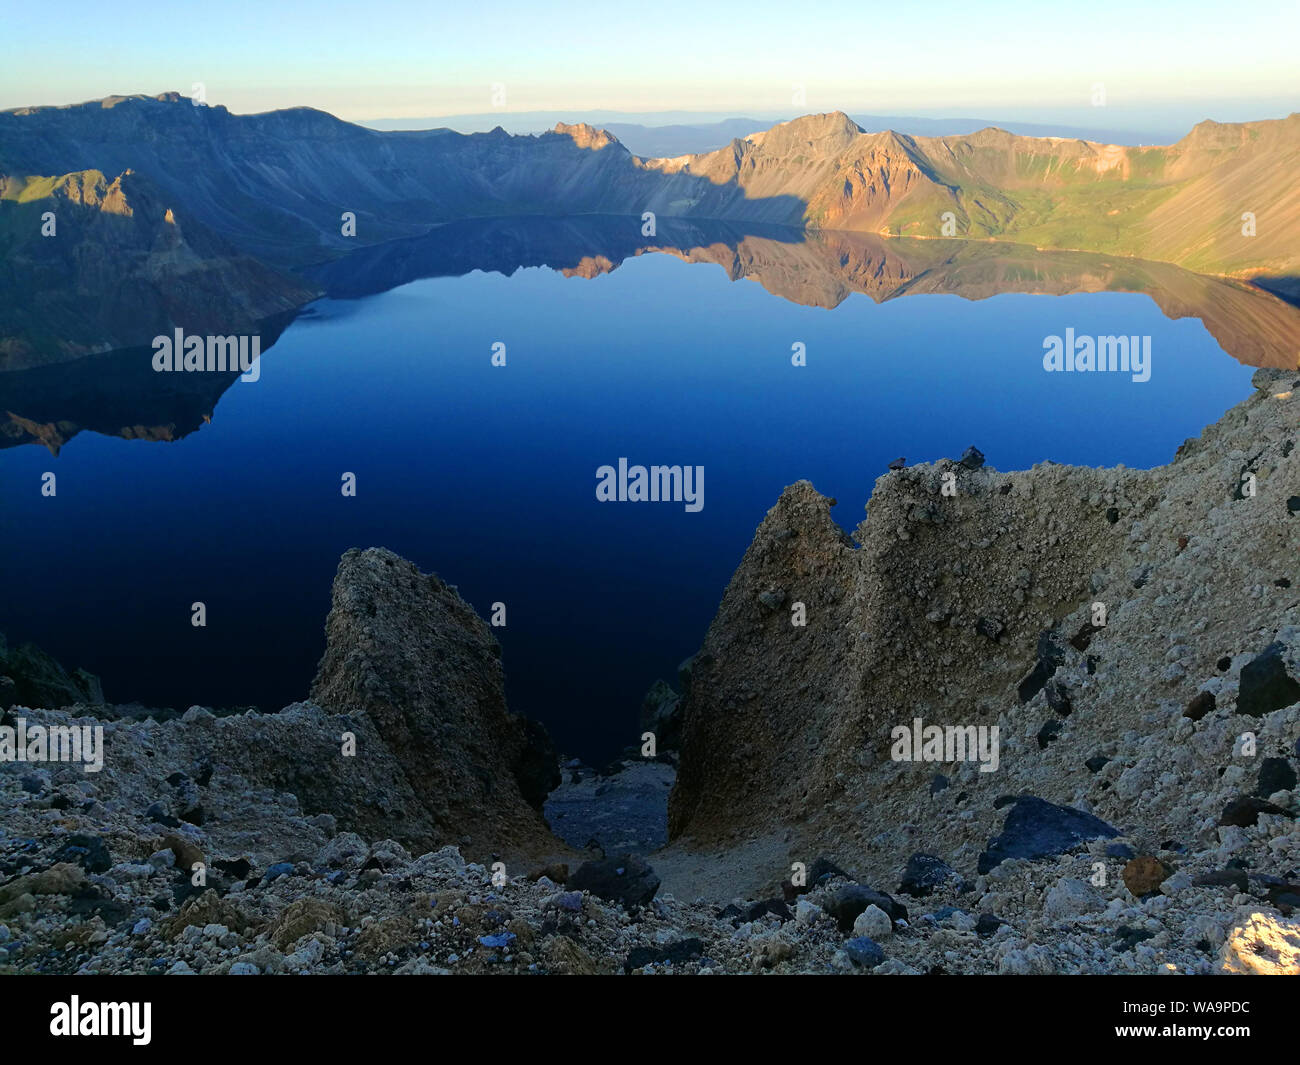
<point>144,247</point>
<point>977,609</point>
<point>1141,818</point>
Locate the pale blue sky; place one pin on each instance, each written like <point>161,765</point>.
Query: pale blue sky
<point>403,58</point>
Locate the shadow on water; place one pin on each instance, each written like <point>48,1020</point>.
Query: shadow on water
<point>117,393</point>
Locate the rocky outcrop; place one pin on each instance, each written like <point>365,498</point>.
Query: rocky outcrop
<point>761,699</point>
<point>30,677</point>
<point>1080,611</point>
<point>408,654</point>
<point>407,738</point>
<point>585,136</point>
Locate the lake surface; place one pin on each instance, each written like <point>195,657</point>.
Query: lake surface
<point>487,474</point>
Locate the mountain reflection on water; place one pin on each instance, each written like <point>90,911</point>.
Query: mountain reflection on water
<point>118,394</point>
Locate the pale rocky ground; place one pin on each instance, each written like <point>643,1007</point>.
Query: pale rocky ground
<point>331,903</point>
<point>785,760</point>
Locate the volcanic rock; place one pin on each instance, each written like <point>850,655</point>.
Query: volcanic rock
<point>407,653</point>
<point>1037,829</point>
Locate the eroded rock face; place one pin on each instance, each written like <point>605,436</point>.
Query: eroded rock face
<point>408,653</point>
<point>788,729</point>
<point>760,699</point>
<point>943,604</point>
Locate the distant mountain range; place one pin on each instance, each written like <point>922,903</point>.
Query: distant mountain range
<point>174,214</point>
<point>683,133</point>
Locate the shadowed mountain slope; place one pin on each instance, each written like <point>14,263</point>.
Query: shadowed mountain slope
<point>92,263</point>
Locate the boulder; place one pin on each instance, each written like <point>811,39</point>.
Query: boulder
<point>1266,683</point>
<point>1070,898</point>
<point>1244,812</point>
<point>1035,828</point>
<point>864,953</point>
<point>853,899</point>
<point>1275,774</point>
<point>925,873</point>
<point>626,879</point>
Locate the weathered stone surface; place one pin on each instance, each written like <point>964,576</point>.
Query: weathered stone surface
<point>408,653</point>
<point>626,879</point>
<point>1262,945</point>
<point>38,680</point>
<point>1144,874</point>
<point>1038,829</point>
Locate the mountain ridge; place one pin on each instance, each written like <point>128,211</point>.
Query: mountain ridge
<point>279,187</point>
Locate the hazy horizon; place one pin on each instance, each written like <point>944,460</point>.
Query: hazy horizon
<point>1176,66</point>
<point>1107,125</point>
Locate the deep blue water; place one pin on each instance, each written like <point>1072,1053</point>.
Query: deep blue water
<point>487,475</point>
